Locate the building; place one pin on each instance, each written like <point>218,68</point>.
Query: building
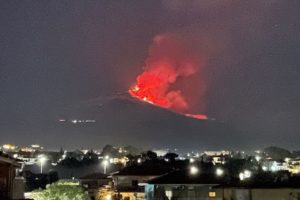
<point>182,184</point>
<point>11,186</point>
<point>216,157</point>
<point>9,148</point>
<point>127,182</point>
<point>256,194</point>
<point>256,191</point>
<point>92,182</point>
<point>274,165</point>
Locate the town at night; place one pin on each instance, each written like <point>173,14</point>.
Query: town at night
<point>149,100</point>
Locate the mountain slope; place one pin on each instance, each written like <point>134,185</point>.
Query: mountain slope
<point>127,121</point>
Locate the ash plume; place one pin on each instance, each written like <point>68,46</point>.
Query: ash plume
<point>169,64</point>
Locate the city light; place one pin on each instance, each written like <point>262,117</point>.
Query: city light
<point>264,168</point>
<point>9,147</point>
<point>219,172</point>
<point>257,158</point>
<point>245,175</point>
<point>194,170</point>
<point>108,197</point>
<point>42,159</point>
<point>241,176</point>
<point>105,164</point>
<point>274,167</point>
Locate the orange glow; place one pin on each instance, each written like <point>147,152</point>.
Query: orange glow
<point>149,89</point>
<point>196,116</point>
<point>168,61</point>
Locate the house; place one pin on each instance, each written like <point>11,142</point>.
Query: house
<point>93,182</point>
<point>238,193</point>
<point>182,184</point>
<point>11,186</point>
<point>127,182</point>
<point>257,191</point>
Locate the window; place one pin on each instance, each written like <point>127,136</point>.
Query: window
<point>212,194</point>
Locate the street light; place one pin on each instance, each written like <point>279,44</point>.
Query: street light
<point>245,175</point>
<point>42,160</point>
<point>108,197</point>
<point>194,170</point>
<point>105,164</point>
<point>219,172</point>
<point>257,158</point>
<point>139,160</point>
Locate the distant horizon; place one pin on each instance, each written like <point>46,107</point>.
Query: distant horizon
<point>182,150</point>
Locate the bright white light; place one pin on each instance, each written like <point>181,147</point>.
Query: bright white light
<point>241,176</point>
<point>105,162</point>
<point>257,158</point>
<point>192,160</point>
<point>244,175</point>
<point>106,157</point>
<point>247,174</point>
<point>194,170</point>
<point>139,160</point>
<point>264,168</point>
<point>42,159</point>
<point>108,197</point>
<point>219,172</point>
<point>274,168</point>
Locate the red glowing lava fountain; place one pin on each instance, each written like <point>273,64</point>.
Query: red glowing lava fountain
<point>169,60</point>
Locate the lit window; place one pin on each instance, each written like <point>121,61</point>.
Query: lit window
<point>212,194</point>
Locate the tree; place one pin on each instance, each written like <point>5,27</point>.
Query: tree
<point>61,190</point>
<point>89,158</point>
<point>132,150</point>
<point>109,150</point>
<point>171,156</point>
<point>150,155</point>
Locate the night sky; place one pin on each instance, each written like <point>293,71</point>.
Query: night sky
<point>57,55</point>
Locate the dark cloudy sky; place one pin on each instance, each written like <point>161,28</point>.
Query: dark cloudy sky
<point>56,54</point>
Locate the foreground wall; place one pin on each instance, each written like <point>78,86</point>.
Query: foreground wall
<point>258,194</point>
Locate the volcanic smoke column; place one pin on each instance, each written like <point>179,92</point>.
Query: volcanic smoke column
<point>168,61</point>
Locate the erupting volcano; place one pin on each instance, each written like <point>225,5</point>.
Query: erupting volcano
<point>168,62</point>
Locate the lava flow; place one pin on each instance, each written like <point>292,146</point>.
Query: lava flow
<point>168,61</point>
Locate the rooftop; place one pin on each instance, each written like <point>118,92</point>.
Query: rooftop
<point>95,176</point>
<point>143,170</point>
<point>184,177</point>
